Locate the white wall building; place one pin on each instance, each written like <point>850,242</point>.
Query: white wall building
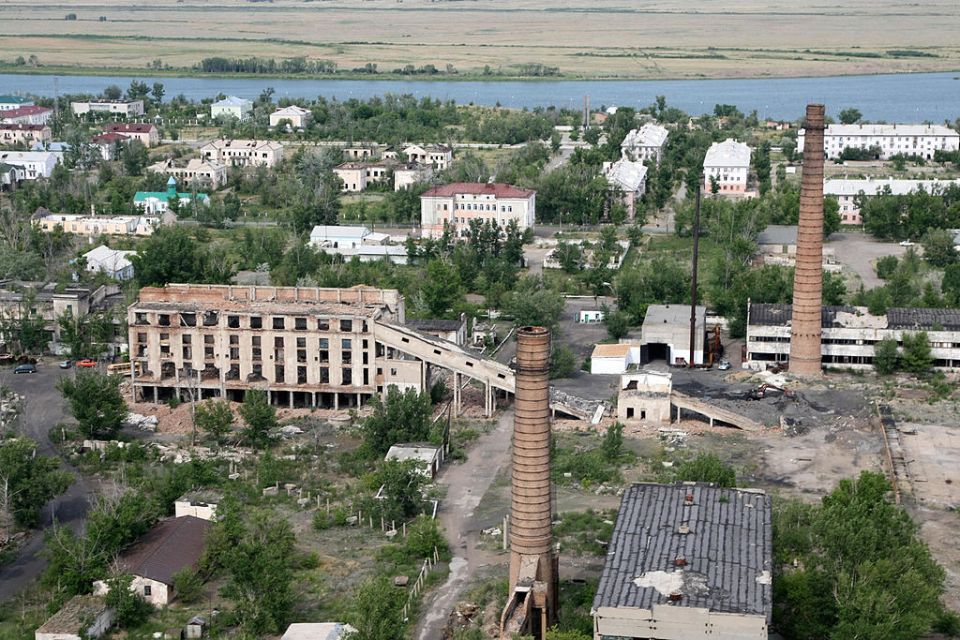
<point>613,359</point>
<point>232,107</point>
<point>457,204</point>
<point>243,153</point>
<point>438,155</point>
<point>630,177</point>
<point>727,162</point>
<point>13,102</point>
<point>125,108</point>
<point>35,164</point>
<point>199,504</point>
<point>196,171</point>
<point>645,143</point>
<point>113,262</point>
<point>298,116</point>
<point>847,192</point>
<point>890,139</point>
<point>30,114</point>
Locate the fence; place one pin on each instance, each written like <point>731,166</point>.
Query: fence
<point>428,565</point>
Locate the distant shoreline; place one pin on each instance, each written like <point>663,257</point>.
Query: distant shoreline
<point>127,72</point>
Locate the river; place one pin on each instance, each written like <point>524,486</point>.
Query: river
<point>914,97</point>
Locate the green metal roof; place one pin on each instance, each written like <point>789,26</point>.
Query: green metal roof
<point>166,195</point>
<point>14,99</point>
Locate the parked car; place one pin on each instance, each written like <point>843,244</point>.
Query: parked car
<point>25,368</point>
<point>86,363</point>
<point>65,364</point>
<point>906,243</point>
<point>724,365</point>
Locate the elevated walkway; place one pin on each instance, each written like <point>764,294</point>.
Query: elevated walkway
<point>712,413</point>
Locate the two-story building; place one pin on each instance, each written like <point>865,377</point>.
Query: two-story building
<point>124,108</point>
<point>456,205</point>
<point>232,107</point>
<point>439,156</point>
<point>32,164</point>
<point>243,153</point>
<point>298,117</point>
<point>14,102</point>
<point>30,114</point>
<point>849,192</point>
<point>884,141</point>
<point>145,132</point>
<point>645,144</point>
<point>24,134</point>
<point>196,171</point>
<point>629,178</point>
<point>727,164</point>
<point>109,144</point>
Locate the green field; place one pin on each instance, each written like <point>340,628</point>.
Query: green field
<point>600,39</point>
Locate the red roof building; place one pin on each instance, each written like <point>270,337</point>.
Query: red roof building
<point>142,131</point>
<point>456,205</point>
<point>26,115</point>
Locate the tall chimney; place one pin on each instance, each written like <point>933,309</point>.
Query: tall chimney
<point>532,560</point>
<point>808,276</point>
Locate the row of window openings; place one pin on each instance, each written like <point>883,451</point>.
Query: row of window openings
<point>233,322</point>
<point>279,374</point>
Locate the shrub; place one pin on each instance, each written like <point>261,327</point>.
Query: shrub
<point>706,467</point>
<point>188,585</point>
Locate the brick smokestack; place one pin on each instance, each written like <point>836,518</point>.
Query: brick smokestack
<point>808,277</point>
<point>531,509</point>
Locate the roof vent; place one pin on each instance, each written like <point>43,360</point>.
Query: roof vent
<point>688,500</point>
<point>676,596</point>
<point>683,529</point>
<point>680,561</point>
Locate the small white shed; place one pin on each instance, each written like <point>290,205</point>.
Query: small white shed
<point>430,456</point>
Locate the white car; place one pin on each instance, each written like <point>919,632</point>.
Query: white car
<point>724,365</point>
<point>906,243</point>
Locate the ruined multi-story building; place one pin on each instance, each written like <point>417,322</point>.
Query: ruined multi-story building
<point>304,346</point>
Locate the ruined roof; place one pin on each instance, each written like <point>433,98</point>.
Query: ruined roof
<point>649,135</point>
<point>435,324</point>
<point>129,127</point>
<point>778,234</point>
<point>172,545</point>
<point>898,318</point>
<point>496,189</point>
<point>72,616</point>
<point>727,550</point>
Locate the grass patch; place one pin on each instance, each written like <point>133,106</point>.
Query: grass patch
<point>585,532</point>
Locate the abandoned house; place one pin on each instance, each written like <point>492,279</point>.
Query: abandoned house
<point>644,396</point>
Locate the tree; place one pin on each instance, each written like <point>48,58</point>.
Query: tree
<point>96,403</point>
<point>886,356</point>
<point>397,417</point>
<point>569,255</point>
<point>850,116</point>
<point>214,418</point>
<point>707,467</point>
<point>171,254</point>
<point>531,303</point>
<point>938,248</point>
<point>853,567</point>
<point>917,357</point>
<point>188,585</point>
<point>618,324</point>
<point>157,92</point>
<point>378,611</point>
<point>134,157</point>
<point>562,362</point>
<point>402,482</point>
<point>441,288</point>
<point>886,266</point>
<point>27,482</point>
<point>113,92</point>
<point>129,608</point>
<point>260,565</point>
<point>259,416</point>
<point>761,164</point>
<point>613,442</point>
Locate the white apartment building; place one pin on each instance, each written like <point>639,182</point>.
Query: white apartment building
<point>232,107</point>
<point>457,204</point>
<point>847,192</point>
<point>728,163</point>
<point>298,116</point>
<point>890,139</point>
<point>850,334</point>
<point>205,173</point>
<point>630,177</point>
<point>243,153</point>
<point>125,108</point>
<point>26,115</point>
<point>645,143</point>
<point>24,134</point>
<point>35,164</point>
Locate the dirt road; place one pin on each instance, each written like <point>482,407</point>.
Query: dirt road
<point>466,484</point>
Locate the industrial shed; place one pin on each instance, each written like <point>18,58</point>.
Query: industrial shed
<point>687,561</point>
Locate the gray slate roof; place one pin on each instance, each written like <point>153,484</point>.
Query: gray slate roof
<point>910,319</point>
<point>729,547</point>
<point>778,234</point>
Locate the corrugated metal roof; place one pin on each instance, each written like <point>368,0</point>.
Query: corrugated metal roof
<point>917,319</point>
<point>727,551</point>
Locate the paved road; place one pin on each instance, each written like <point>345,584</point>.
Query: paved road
<point>466,484</point>
<point>44,408</point>
<point>859,252</point>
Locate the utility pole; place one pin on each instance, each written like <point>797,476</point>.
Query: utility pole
<point>693,279</point>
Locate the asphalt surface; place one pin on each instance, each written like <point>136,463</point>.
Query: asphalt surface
<point>43,409</point>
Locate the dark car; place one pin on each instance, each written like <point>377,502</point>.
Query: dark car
<point>25,368</point>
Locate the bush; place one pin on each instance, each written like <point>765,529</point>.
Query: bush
<point>886,356</point>
<point>130,609</point>
<point>613,442</point>
<point>886,267</point>
<point>188,585</point>
<point>563,363</point>
<point>706,467</point>
<point>423,535</point>
<point>917,357</point>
